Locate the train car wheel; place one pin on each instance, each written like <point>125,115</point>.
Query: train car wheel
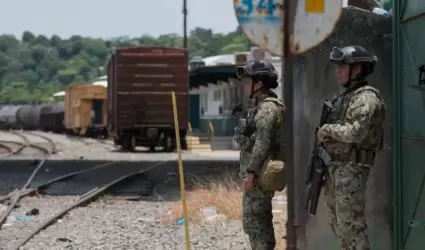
<point>169,143</point>
<point>128,142</point>
<point>183,141</point>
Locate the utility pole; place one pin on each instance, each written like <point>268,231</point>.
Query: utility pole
<point>290,10</point>
<point>185,24</point>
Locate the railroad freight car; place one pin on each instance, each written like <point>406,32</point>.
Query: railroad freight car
<point>140,82</point>
<point>28,116</point>
<point>86,110</point>
<point>53,120</point>
<point>8,116</point>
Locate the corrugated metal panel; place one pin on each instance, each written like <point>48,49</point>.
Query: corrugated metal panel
<point>409,124</point>
<point>111,96</point>
<point>140,81</point>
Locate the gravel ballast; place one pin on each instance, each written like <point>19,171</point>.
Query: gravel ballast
<point>111,222</point>
<point>114,224</point>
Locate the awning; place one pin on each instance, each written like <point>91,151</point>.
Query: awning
<point>59,94</point>
<point>212,74</point>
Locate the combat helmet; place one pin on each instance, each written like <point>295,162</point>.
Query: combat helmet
<point>259,70</point>
<point>354,55</point>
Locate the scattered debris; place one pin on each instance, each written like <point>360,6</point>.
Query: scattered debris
<point>22,218</point>
<point>33,212</point>
<point>181,221</point>
<point>64,240</point>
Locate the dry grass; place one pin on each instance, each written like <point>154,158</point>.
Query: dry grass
<point>225,195</point>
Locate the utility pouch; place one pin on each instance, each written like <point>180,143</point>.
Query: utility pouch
<point>272,175</point>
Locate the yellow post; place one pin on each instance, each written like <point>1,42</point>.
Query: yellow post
<point>210,125</point>
<point>181,172</point>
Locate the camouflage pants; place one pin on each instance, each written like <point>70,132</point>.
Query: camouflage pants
<point>345,199</point>
<point>257,219</point>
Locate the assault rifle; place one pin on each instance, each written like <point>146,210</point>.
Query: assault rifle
<point>319,160</point>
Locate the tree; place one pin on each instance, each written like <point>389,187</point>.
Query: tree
<point>33,67</point>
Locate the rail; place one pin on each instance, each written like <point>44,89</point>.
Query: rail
<point>16,197</point>
<point>84,199</point>
<point>211,132</point>
<point>190,134</point>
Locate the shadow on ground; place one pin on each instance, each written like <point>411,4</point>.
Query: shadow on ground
<point>162,179</point>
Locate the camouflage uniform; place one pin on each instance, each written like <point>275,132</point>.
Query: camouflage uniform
<point>267,117</point>
<point>356,134</point>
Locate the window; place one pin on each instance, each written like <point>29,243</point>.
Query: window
<point>217,95</point>
<point>226,98</point>
<point>238,94</point>
<point>204,101</point>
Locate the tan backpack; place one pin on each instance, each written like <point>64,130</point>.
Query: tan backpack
<point>272,175</point>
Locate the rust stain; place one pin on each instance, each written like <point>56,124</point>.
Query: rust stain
<point>266,38</point>
<point>261,37</point>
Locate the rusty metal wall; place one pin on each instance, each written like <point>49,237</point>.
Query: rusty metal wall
<point>143,79</point>
<point>110,90</point>
<point>314,80</point>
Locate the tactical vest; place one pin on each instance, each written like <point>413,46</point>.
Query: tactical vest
<point>373,141</point>
<point>277,142</point>
<point>272,176</point>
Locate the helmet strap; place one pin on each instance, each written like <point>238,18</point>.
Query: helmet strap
<point>251,96</point>
<point>350,71</point>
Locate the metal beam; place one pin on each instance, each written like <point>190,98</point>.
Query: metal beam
<point>289,8</point>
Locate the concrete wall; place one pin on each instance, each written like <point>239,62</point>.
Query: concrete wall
<point>314,80</point>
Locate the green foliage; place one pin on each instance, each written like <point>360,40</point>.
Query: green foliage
<point>33,67</point>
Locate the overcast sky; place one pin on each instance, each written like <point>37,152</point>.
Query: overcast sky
<point>108,18</point>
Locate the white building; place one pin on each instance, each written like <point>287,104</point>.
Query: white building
<point>215,92</point>
<point>102,80</point>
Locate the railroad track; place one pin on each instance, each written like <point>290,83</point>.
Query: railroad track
<point>93,194</point>
<point>24,142</point>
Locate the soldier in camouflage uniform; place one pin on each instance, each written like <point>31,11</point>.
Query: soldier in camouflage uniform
<point>353,134</point>
<point>260,135</point>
